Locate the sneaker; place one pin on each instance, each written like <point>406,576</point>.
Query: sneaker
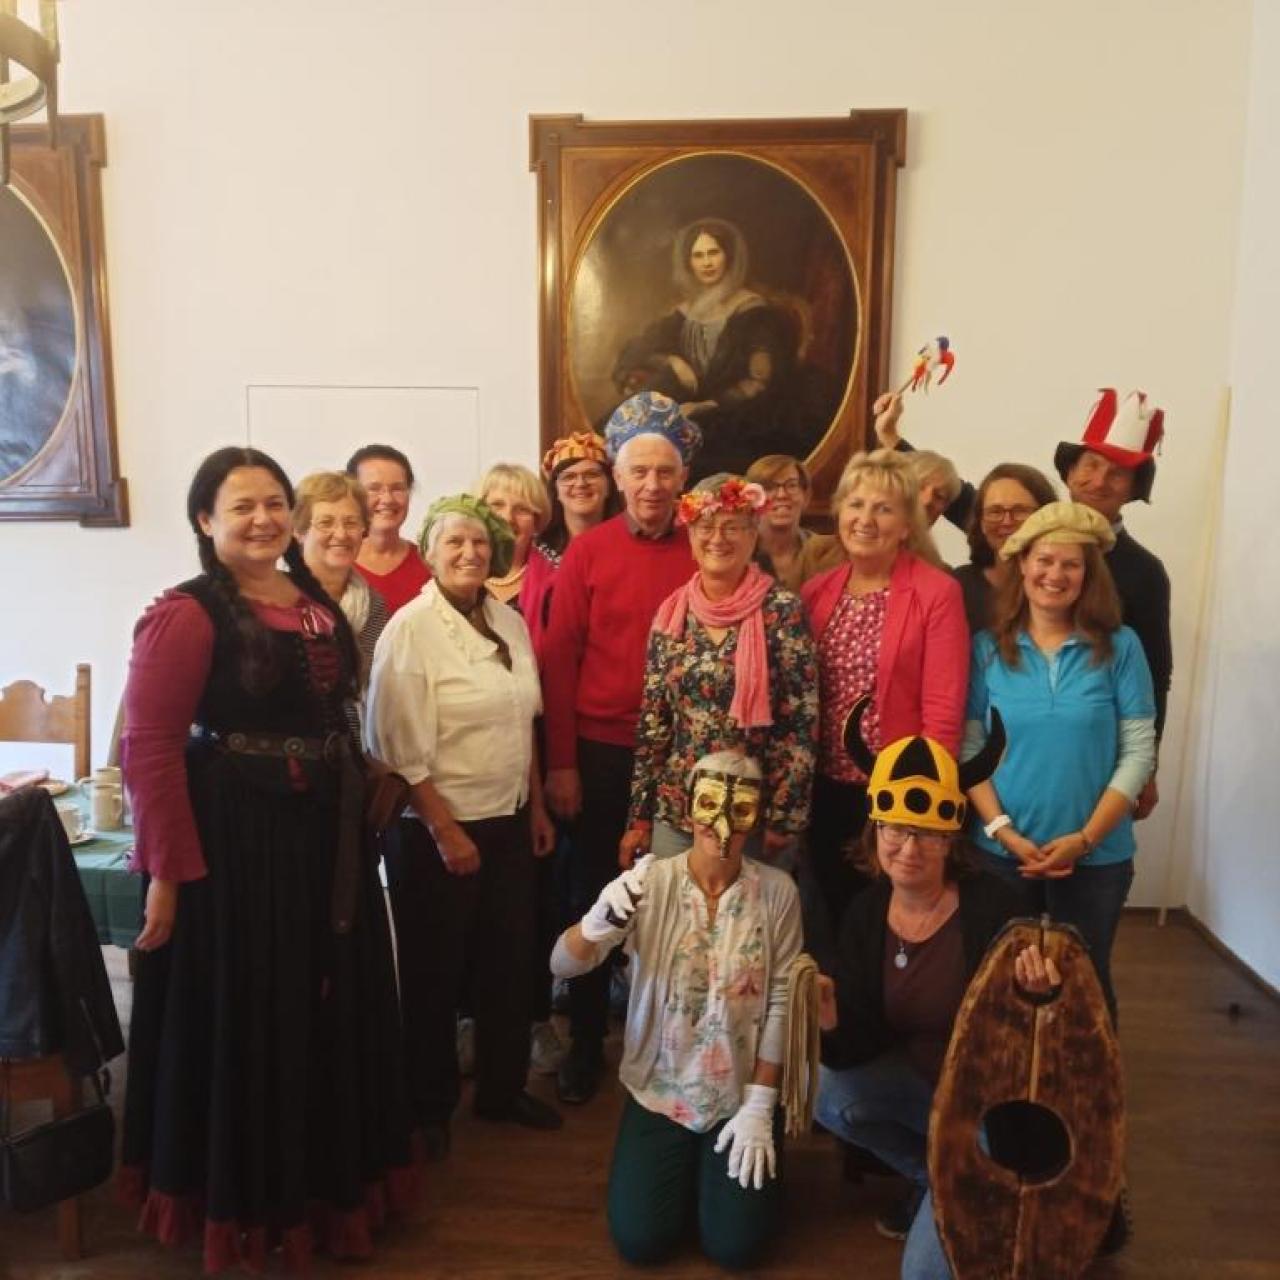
<point>546,1049</point>
<point>895,1224</point>
<point>1120,1228</point>
<point>466,1046</point>
<point>579,1077</point>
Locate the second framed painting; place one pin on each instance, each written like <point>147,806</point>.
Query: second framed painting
<point>742,267</point>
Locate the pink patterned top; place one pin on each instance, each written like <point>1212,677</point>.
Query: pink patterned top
<point>848,660</point>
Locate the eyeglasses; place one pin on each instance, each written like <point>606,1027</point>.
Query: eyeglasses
<point>731,529</point>
<point>327,524</point>
<point>793,485</point>
<point>896,836</point>
<point>580,479</point>
<point>390,490</point>
<point>998,515</point>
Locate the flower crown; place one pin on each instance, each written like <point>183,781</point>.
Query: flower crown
<point>735,494</point>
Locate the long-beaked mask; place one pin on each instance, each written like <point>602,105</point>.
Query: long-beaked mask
<point>726,803</point>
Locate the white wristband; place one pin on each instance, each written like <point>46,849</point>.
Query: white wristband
<point>998,823</point>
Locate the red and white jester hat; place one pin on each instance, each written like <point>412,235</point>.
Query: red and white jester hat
<point>1125,433</point>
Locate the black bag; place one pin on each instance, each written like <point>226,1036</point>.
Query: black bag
<point>58,1159</point>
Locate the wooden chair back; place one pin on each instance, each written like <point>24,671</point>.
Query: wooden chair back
<point>28,714</point>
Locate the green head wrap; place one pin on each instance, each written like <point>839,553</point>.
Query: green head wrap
<point>502,542</point>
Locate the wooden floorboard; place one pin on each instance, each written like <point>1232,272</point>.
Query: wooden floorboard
<point>1204,1164</point>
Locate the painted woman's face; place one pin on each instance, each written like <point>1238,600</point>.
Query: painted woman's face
<point>707,260</point>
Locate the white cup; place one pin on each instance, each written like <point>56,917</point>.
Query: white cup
<point>72,821</point>
<point>109,775</point>
<point>106,806</point>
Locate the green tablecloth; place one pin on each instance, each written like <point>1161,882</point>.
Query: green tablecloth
<point>114,893</point>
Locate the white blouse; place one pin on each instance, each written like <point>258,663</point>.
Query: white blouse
<point>442,705</point>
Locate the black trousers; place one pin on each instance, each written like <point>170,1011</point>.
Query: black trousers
<point>454,931</point>
<point>593,861</point>
<point>828,877</point>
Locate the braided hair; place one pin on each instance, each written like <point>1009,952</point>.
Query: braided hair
<point>257,654</point>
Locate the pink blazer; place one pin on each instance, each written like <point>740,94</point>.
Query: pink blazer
<point>924,652</point>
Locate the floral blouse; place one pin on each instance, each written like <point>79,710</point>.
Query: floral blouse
<point>684,715</point>
<point>849,659</point>
<point>708,1000</point>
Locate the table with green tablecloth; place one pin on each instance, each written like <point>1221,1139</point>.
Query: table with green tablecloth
<point>113,891</point>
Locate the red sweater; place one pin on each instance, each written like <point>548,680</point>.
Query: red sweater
<point>610,584</point>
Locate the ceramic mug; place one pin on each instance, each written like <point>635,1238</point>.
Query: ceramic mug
<point>72,820</point>
<point>109,774</point>
<point>106,805</point>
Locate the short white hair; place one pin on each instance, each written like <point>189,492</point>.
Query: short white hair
<point>619,459</point>
<point>438,527</point>
<point>731,763</point>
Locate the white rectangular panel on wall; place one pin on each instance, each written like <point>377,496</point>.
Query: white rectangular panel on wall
<point>317,428</point>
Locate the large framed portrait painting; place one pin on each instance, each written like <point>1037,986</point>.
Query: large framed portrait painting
<point>57,434</point>
<point>743,268</point>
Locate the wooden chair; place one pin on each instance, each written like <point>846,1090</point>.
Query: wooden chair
<point>35,1079</point>
<point>28,714</point>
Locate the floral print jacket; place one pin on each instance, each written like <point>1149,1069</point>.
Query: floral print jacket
<point>684,715</point>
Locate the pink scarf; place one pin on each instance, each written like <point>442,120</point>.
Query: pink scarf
<point>750,705</point>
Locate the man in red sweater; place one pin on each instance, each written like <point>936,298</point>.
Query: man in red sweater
<point>608,587</point>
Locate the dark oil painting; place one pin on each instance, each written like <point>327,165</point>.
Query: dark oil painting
<point>37,335</point>
<point>719,280</point>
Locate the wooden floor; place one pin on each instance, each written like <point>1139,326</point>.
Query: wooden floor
<point>1204,1164</point>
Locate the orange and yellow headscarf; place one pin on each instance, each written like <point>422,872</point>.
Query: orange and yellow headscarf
<point>580,446</point>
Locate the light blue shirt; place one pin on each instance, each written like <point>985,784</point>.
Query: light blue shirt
<point>1069,723</point>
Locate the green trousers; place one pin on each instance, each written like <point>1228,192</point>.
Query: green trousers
<point>665,1178</point>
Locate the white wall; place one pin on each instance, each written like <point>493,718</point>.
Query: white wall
<point>302,191</point>
<point>1234,876</point>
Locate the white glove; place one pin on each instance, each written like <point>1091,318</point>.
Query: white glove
<point>751,1129</point>
<point>614,911</point>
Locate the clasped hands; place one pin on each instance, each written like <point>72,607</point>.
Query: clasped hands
<point>1052,860</point>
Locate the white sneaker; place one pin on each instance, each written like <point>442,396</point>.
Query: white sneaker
<point>547,1050</point>
<point>466,1046</point>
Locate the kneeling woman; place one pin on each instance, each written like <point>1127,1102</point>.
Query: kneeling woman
<point>711,940</point>
<point>908,947</point>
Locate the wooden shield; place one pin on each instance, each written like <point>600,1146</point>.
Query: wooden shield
<point>1037,1206</point>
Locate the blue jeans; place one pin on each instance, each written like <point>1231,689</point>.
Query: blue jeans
<point>883,1105</point>
<point>1090,898</point>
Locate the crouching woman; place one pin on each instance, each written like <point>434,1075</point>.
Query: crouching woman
<point>711,940</point>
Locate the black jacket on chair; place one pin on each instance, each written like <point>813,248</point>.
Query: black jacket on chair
<point>54,992</point>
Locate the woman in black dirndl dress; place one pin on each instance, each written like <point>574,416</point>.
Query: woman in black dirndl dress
<point>264,1106</point>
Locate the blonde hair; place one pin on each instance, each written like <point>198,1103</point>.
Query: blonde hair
<point>933,466</point>
<point>527,486</point>
<point>326,486</point>
<point>890,471</point>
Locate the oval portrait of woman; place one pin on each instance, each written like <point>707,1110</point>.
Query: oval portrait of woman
<point>37,335</point>
<point>720,281</point>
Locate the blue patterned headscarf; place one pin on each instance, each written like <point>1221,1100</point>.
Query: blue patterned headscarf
<point>650,413</point>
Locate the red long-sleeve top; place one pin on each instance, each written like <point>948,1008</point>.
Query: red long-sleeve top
<point>611,581</point>
<point>168,669</point>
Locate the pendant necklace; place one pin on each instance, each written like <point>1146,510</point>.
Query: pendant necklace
<point>903,958</point>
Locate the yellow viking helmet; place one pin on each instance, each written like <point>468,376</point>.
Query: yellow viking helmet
<point>916,781</point>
